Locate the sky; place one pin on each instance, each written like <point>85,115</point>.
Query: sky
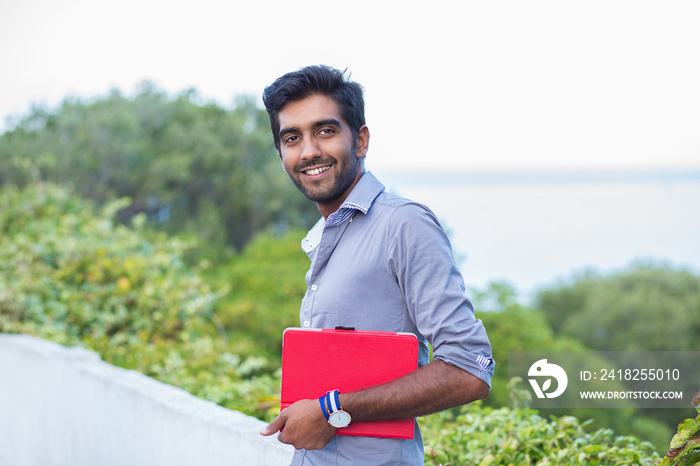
<point>448,85</point>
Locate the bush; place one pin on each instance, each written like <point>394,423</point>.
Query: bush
<point>685,445</point>
<point>648,307</point>
<point>266,285</point>
<point>486,436</point>
<point>76,278</point>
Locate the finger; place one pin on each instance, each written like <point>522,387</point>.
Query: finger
<point>274,426</point>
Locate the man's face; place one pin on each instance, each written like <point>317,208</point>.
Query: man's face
<point>319,152</point>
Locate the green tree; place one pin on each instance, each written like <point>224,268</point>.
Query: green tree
<point>190,167</point>
<point>266,285</point>
<point>514,327</point>
<point>646,308</point>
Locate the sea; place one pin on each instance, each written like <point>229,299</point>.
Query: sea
<point>536,229</point>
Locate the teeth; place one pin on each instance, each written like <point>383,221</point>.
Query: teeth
<point>316,171</point>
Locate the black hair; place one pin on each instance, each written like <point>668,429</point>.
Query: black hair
<point>316,79</point>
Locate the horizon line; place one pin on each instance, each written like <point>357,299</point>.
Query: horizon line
<point>543,175</point>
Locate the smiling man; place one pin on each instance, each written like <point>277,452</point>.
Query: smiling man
<point>319,150</point>
<point>378,262</point>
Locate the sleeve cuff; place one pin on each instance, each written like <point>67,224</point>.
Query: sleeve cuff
<point>481,367</point>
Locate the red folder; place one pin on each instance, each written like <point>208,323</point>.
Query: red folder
<point>315,361</point>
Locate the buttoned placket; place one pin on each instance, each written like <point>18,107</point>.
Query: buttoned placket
<point>329,240</point>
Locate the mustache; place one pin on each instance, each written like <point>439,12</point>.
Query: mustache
<point>315,162</point>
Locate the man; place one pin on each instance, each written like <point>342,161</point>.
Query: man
<point>378,262</point>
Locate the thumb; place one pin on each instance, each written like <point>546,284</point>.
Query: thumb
<point>275,426</point>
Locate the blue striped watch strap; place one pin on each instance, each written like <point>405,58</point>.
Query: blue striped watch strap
<point>322,401</point>
<point>333,401</point>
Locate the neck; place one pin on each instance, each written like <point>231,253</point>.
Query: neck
<point>329,208</point>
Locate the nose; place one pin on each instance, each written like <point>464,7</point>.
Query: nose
<point>310,149</point>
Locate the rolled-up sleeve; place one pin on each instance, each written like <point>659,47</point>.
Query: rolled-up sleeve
<point>420,258</point>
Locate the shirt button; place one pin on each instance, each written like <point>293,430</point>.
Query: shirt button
<point>313,287</point>
<point>307,323</point>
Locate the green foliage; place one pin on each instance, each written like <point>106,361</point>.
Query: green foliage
<point>486,436</point>
<point>646,308</point>
<point>266,283</point>
<point>77,279</point>
<point>189,167</point>
<point>74,277</point>
<point>489,436</point>
<point>685,445</point>
<point>514,327</point>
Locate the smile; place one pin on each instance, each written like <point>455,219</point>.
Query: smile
<point>316,171</point>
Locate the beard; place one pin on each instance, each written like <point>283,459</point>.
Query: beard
<point>321,191</point>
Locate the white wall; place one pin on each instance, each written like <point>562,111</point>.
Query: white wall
<point>64,406</point>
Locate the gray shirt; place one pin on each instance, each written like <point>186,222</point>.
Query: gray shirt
<point>384,263</point>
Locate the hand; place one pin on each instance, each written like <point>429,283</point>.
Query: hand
<point>304,426</point>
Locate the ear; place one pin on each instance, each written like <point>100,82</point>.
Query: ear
<point>362,141</point>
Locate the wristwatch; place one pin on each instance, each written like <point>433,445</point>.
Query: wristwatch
<point>330,404</point>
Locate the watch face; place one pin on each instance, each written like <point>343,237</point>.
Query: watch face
<point>339,419</point>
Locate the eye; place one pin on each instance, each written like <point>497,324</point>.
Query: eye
<point>290,139</point>
<point>326,131</point>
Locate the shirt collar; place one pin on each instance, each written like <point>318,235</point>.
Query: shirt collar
<point>360,199</point>
<point>364,193</point>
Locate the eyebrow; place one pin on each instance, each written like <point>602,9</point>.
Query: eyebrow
<point>327,122</point>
